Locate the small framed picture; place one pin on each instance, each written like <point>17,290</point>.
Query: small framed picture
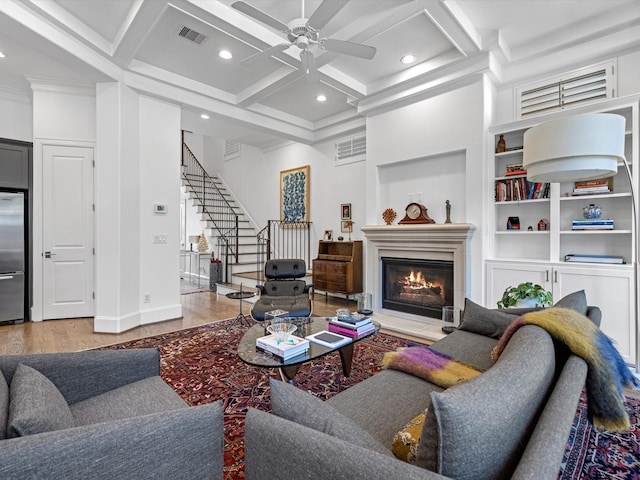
<point>346,226</point>
<point>328,235</point>
<point>346,211</point>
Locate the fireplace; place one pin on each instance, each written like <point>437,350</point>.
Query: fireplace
<point>439,244</point>
<point>417,286</point>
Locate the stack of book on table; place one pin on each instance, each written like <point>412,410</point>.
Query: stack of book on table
<point>592,224</point>
<point>592,187</point>
<point>351,326</point>
<point>284,350</point>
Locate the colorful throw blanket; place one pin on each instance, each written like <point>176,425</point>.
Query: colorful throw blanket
<point>435,367</point>
<point>607,371</point>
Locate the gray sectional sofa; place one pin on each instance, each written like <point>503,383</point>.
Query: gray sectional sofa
<point>102,414</point>
<point>512,421</point>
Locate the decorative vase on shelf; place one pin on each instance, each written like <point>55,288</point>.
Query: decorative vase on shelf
<point>591,211</point>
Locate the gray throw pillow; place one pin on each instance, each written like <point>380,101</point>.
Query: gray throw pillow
<point>303,408</point>
<point>485,321</point>
<point>4,406</point>
<point>35,404</point>
<point>575,301</point>
<point>493,322</point>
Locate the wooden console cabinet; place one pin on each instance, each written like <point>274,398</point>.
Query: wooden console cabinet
<point>338,268</point>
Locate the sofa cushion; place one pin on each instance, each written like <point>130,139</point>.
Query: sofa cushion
<point>484,424</point>
<point>303,408</point>
<point>492,323</point>
<point>35,404</point>
<point>151,395</point>
<point>4,406</point>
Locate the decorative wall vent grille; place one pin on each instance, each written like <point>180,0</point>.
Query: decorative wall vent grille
<point>354,148</point>
<point>231,149</point>
<point>192,35</point>
<point>574,89</point>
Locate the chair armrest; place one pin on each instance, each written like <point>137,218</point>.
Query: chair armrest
<point>308,288</point>
<point>184,443</point>
<point>81,375</point>
<point>261,289</point>
<point>278,449</point>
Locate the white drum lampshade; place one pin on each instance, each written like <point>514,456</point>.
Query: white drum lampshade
<point>572,149</point>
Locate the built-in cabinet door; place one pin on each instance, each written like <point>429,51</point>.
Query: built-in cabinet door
<point>14,166</point>
<point>502,275</point>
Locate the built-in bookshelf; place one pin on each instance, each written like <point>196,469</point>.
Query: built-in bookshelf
<point>550,228</point>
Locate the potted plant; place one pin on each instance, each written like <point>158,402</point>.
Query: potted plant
<point>525,295</point>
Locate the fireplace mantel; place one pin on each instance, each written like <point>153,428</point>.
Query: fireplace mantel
<point>450,241</point>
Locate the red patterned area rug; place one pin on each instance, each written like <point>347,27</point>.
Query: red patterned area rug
<point>201,364</point>
<point>595,454</point>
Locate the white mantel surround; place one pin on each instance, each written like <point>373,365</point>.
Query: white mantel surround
<point>449,241</point>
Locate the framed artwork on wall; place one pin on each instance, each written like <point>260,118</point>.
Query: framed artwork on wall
<point>294,194</point>
<point>346,211</point>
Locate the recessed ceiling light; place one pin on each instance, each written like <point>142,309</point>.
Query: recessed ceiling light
<point>321,98</point>
<point>2,55</point>
<point>408,59</point>
<point>205,116</point>
<point>225,54</point>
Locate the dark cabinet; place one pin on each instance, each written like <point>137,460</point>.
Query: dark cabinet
<point>338,267</point>
<point>14,164</point>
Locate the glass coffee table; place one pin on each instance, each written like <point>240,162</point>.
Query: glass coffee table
<point>249,354</point>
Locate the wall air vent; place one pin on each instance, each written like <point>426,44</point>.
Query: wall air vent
<point>231,149</point>
<point>581,87</point>
<point>352,150</point>
<point>195,37</point>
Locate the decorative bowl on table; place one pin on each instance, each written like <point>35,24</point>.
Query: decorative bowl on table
<point>282,330</point>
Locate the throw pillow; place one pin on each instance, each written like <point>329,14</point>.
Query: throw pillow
<point>407,441</point>
<point>485,321</point>
<point>35,404</point>
<point>303,408</point>
<point>493,322</point>
<point>575,301</point>
<point>4,406</point>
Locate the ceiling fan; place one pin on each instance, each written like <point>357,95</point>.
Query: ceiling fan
<point>305,33</point>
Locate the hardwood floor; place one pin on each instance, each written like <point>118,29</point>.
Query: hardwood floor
<point>69,335</point>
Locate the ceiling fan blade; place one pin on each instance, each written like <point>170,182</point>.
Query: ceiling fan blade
<point>348,48</point>
<point>260,16</point>
<point>263,55</point>
<point>309,66</point>
<point>325,12</point>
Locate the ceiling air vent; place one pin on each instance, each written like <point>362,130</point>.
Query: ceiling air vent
<point>195,37</point>
<point>231,149</point>
<point>352,150</point>
<point>571,90</point>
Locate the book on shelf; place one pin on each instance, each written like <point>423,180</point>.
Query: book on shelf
<point>581,258</point>
<point>515,172</point>
<point>592,224</point>
<point>590,191</point>
<point>598,183</point>
<point>285,349</point>
<point>329,339</point>
<point>515,189</point>
<point>350,322</point>
<point>351,333</point>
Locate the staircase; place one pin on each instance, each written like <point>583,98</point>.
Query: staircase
<point>235,236</point>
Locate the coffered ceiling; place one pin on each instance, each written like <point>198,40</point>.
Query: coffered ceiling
<point>139,42</point>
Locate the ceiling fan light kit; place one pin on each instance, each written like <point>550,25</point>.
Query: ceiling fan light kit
<point>305,33</point>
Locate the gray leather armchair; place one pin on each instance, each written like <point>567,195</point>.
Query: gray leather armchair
<point>284,289</point>
<point>125,421</point>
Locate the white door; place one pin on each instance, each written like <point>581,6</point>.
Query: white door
<point>67,232</point>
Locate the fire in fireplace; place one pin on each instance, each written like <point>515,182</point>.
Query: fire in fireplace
<point>416,286</point>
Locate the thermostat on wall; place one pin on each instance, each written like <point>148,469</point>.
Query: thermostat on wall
<point>159,209</point>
